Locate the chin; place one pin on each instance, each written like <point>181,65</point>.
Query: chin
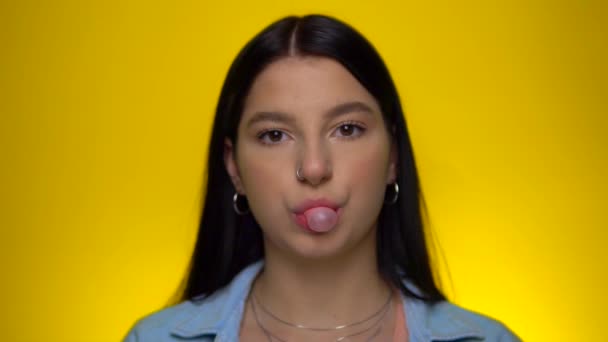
<point>317,247</point>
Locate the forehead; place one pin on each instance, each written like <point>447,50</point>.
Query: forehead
<point>305,85</point>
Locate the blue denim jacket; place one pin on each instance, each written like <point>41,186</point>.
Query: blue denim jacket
<point>218,319</point>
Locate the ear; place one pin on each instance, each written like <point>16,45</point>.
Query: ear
<point>231,166</point>
<point>392,166</point>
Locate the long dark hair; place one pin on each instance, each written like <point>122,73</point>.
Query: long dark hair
<point>228,242</point>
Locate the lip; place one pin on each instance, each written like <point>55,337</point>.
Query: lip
<point>298,211</point>
<point>314,203</point>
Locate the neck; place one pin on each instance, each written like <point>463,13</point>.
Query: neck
<point>322,293</point>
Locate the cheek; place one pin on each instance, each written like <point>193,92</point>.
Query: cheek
<point>260,175</point>
<point>365,175</point>
<point>366,164</point>
<point>264,178</point>
<point>369,165</point>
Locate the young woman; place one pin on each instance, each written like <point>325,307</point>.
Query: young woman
<point>311,228</point>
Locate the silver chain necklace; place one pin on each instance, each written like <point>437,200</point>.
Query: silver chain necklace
<point>380,314</point>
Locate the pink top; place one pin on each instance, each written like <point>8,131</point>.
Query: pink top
<point>400,334</point>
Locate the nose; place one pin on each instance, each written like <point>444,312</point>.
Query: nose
<point>314,166</point>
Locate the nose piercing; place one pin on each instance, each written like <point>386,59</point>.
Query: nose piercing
<point>298,175</point>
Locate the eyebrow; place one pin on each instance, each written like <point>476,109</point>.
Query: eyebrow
<point>341,109</point>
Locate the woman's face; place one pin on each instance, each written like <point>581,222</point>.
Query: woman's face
<point>311,113</point>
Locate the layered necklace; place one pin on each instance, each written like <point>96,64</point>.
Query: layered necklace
<point>368,328</point>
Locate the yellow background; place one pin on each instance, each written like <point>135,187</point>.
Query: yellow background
<point>106,109</point>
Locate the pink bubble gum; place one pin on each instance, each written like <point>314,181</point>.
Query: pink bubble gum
<point>321,219</point>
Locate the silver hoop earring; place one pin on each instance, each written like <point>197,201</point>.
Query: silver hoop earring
<point>298,175</point>
<point>235,205</point>
<point>396,194</point>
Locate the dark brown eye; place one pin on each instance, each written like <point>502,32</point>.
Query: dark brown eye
<point>346,130</point>
<point>272,136</point>
<point>350,130</point>
<point>275,136</point>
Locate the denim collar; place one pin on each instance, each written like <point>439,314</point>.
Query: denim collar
<point>220,315</point>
